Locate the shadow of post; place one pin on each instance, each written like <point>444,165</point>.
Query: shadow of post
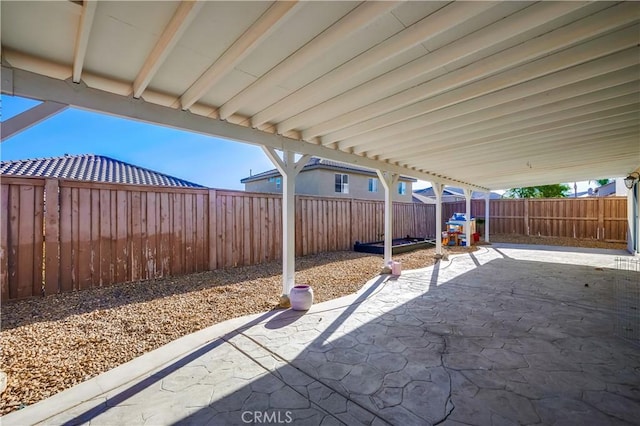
<point>282,319</point>
<point>138,387</point>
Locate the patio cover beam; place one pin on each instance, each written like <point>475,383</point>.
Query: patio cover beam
<point>17,82</point>
<point>30,117</point>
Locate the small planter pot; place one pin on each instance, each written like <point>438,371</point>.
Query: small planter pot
<point>301,297</point>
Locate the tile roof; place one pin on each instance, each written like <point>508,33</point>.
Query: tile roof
<point>319,163</point>
<point>90,167</point>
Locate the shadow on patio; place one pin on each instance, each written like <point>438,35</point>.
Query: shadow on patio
<point>484,339</point>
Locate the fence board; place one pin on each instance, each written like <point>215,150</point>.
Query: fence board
<point>14,240</point>
<point>227,234</point>
<point>212,240</point>
<point>83,240</point>
<point>162,238</point>
<point>276,231</point>
<point>22,244</point>
<point>38,241</point>
<point>4,242</point>
<point>201,235</point>
<point>235,229</point>
<point>614,219</point>
<point>150,245</point>
<point>264,229</point>
<point>27,285</point>
<point>189,241</point>
<point>66,240</point>
<point>247,229</point>
<point>122,230</point>
<point>95,237</point>
<point>135,237</point>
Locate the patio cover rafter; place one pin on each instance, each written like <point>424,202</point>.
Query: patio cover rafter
<point>82,39</point>
<point>275,16</point>
<point>380,119</point>
<point>327,115</point>
<point>17,82</point>
<point>320,89</point>
<point>182,18</point>
<point>361,16</point>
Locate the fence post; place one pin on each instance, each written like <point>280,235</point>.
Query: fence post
<point>600,231</point>
<point>213,236</point>
<point>526,216</point>
<point>351,221</point>
<point>52,237</point>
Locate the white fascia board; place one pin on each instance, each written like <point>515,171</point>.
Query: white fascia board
<point>17,82</point>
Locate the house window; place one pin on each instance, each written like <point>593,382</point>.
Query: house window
<point>373,185</point>
<point>342,183</point>
<point>402,188</point>
<point>276,180</point>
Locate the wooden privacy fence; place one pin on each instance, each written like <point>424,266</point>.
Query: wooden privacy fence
<point>601,218</point>
<point>61,235</point>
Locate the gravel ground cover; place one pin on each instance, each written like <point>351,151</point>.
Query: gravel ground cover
<point>50,344</point>
<point>555,241</point>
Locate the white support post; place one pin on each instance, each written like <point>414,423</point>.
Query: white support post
<point>389,181</point>
<point>636,210</point>
<point>467,225</point>
<point>289,169</point>
<point>633,218</point>
<point>437,189</point>
<point>487,199</point>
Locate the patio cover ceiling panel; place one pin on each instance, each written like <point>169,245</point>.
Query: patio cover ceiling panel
<point>488,94</point>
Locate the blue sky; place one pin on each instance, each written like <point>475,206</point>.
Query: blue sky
<point>201,159</point>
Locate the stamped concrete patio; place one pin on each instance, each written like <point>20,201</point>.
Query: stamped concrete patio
<point>507,335</point>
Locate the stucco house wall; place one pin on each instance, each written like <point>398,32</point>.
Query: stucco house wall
<point>262,185</point>
<point>321,182</point>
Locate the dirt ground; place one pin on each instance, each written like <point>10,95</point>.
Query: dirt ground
<point>50,344</point>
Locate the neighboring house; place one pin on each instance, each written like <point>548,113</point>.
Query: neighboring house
<point>331,179</point>
<point>449,194</point>
<point>93,168</point>
<point>418,198</point>
<point>614,188</point>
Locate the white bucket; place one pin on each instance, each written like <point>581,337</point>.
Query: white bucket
<point>396,268</point>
